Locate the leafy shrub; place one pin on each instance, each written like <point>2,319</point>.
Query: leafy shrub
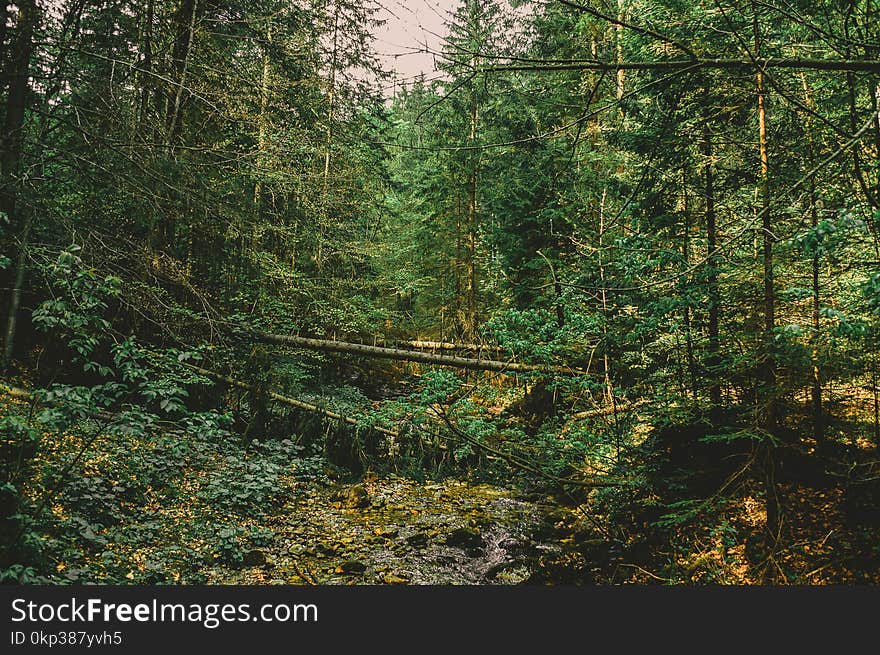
<point>246,487</point>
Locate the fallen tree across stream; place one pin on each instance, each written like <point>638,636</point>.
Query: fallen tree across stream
<point>611,410</point>
<point>420,344</point>
<point>291,402</point>
<point>510,458</point>
<point>364,350</point>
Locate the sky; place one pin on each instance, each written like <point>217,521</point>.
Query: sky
<point>412,27</point>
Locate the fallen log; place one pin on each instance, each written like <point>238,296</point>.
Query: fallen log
<point>291,402</point>
<point>516,462</point>
<point>419,344</point>
<point>609,411</point>
<point>23,394</point>
<point>364,350</point>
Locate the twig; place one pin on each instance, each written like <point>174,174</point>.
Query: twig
<point>636,566</point>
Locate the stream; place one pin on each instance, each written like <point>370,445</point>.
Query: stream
<point>399,531</point>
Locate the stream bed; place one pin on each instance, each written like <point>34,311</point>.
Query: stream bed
<point>399,531</point>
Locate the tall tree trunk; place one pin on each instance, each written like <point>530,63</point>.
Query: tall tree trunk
<point>471,286</point>
<point>328,140</point>
<point>262,126</point>
<point>16,103</point>
<point>606,359</point>
<point>560,306</point>
<point>10,159</point>
<point>876,396</point>
<point>618,31</point>
<point>146,72</point>
<point>331,100</point>
<point>713,297</point>
<point>163,234</point>
<point>875,107</point>
<point>871,195</point>
<point>815,376</point>
<point>686,253</point>
<point>459,319</point>
<point>185,20</point>
<point>15,296</point>
<point>4,47</point>
<point>767,368</point>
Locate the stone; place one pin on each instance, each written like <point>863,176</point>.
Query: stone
<point>418,540</point>
<point>465,538</point>
<point>354,497</point>
<point>353,566</point>
<point>254,558</point>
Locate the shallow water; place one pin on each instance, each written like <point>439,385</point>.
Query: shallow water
<point>398,531</point>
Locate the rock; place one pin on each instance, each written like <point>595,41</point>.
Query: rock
<point>513,572</point>
<point>254,558</point>
<point>465,538</point>
<point>418,540</point>
<point>325,548</point>
<point>547,531</point>
<point>494,570</point>
<point>479,522</point>
<point>386,533</point>
<point>353,497</point>
<point>353,566</point>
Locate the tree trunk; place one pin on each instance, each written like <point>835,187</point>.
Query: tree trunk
<point>146,72</point>
<point>471,287</point>
<point>560,307</point>
<point>331,100</point>
<point>364,350</point>
<point>815,376</point>
<point>875,106</point>
<point>686,251</point>
<point>10,160</point>
<point>185,20</point>
<point>458,320</point>
<point>712,359</point>
<point>262,127</point>
<point>287,400</point>
<point>421,344</point>
<point>876,396</point>
<point>164,232</point>
<point>16,103</point>
<point>15,299</point>
<point>606,360</point>
<point>858,170</point>
<point>618,31</point>
<point>328,142</point>
<point>4,47</point>
<point>767,368</point>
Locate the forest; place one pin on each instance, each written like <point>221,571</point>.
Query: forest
<point>597,302</point>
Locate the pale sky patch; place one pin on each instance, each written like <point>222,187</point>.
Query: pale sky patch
<point>410,42</point>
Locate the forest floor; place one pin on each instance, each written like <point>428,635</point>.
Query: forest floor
<point>195,510</point>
